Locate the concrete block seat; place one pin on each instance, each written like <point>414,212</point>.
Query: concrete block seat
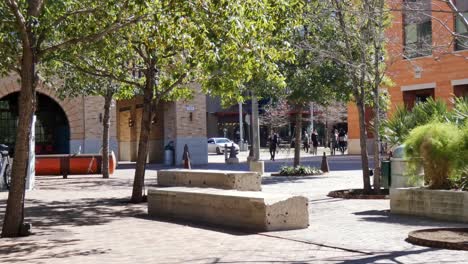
<point>231,180</point>
<point>253,211</point>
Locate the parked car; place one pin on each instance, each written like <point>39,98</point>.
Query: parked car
<point>216,145</point>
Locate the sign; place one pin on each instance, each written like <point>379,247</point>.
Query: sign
<point>190,108</point>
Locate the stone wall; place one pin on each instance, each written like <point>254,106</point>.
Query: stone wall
<point>437,204</point>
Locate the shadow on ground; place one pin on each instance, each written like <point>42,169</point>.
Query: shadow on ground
<point>385,216</point>
<point>199,225</point>
<point>289,179</point>
<point>79,212</point>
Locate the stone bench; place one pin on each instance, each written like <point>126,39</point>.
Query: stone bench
<point>255,211</point>
<point>232,180</point>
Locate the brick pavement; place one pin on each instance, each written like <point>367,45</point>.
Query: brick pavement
<point>84,219</point>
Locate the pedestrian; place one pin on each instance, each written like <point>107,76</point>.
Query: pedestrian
<point>334,142</point>
<point>314,142</point>
<point>273,144</point>
<point>342,141</point>
<point>306,142</point>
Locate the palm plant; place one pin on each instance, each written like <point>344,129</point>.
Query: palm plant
<point>396,129</point>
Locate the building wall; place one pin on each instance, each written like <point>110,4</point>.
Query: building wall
<point>183,122</point>
<point>441,71</point>
<point>82,114</point>
<point>129,127</point>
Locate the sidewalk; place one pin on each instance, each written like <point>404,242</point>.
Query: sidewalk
<point>84,219</point>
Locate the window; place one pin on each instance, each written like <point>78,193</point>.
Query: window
<point>417,28</point>
<point>411,98</point>
<point>460,27</point>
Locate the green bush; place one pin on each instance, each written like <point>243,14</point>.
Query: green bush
<point>299,171</point>
<point>441,147</point>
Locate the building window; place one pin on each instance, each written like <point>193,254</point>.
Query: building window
<point>461,90</point>
<point>460,27</point>
<point>417,28</point>
<point>411,98</point>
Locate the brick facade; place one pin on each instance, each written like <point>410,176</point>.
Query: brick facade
<point>443,73</point>
<point>83,115</point>
<point>183,122</point>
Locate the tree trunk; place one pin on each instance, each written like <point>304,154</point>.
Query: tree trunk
<point>139,180</point>
<point>376,142</point>
<point>105,132</point>
<point>379,32</point>
<point>363,144</point>
<point>297,140</point>
<point>14,215</point>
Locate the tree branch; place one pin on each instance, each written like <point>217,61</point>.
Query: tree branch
<point>20,21</point>
<point>89,38</point>
<point>103,74</point>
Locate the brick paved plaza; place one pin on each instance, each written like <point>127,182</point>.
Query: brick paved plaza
<point>84,219</point>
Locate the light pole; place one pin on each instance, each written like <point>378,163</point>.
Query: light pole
<point>255,129</point>
<point>241,128</point>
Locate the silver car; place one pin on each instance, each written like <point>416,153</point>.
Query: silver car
<point>216,145</point>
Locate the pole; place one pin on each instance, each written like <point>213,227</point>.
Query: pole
<point>255,129</point>
<point>241,128</point>
<point>311,117</point>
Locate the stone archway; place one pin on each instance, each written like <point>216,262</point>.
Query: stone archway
<point>73,108</point>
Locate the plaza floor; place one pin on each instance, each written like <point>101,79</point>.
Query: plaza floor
<point>85,219</point>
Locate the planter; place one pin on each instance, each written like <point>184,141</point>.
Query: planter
<point>399,177</point>
<point>438,204</point>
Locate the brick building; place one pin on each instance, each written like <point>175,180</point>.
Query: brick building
<point>425,60</point>
<point>75,124</point>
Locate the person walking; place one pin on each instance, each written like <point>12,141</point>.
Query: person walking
<point>306,142</point>
<point>273,145</point>
<point>334,142</point>
<point>314,142</point>
<point>342,141</point>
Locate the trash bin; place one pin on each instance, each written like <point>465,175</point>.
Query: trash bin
<point>169,154</point>
<point>385,166</point>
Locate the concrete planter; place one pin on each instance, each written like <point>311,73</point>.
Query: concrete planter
<point>438,204</point>
<point>399,177</point>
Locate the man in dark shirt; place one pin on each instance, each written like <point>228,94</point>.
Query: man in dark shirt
<point>273,144</point>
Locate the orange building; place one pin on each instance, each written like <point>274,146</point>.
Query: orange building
<point>425,58</point>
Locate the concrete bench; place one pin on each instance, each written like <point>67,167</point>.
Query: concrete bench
<point>231,180</point>
<point>255,211</point>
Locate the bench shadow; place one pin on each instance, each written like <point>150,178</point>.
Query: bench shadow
<point>199,225</point>
<point>290,179</point>
<point>385,216</point>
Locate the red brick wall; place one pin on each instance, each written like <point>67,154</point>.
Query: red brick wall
<point>441,68</point>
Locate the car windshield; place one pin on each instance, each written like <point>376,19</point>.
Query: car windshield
<point>223,140</point>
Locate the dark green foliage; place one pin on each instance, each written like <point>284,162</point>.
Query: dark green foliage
<point>299,171</point>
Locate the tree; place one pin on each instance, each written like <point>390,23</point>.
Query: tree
<point>209,42</point>
<point>312,77</point>
<point>70,81</point>
<point>31,33</point>
<point>330,114</point>
<point>358,30</point>
<point>275,114</point>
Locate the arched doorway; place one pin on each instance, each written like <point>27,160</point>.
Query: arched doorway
<point>52,128</point>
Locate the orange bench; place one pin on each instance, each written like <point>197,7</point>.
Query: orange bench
<point>66,164</point>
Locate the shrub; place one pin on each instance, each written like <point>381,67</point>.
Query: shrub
<point>440,145</point>
<point>299,171</point>
<point>396,129</point>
